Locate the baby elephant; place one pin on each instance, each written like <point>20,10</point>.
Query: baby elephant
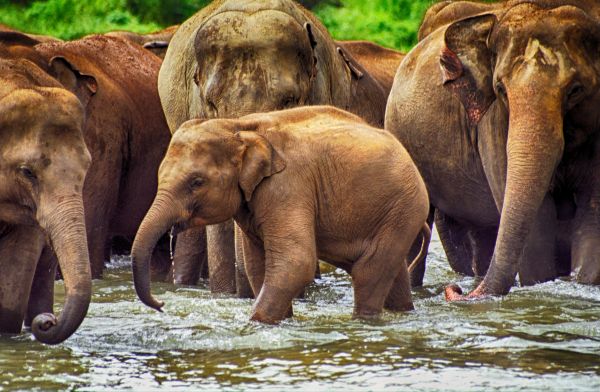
<point>303,184</point>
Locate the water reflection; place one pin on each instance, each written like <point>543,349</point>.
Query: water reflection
<point>536,338</point>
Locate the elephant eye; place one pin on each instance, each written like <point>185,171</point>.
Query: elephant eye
<point>27,172</point>
<point>197,182</point>
<point>575,91</point>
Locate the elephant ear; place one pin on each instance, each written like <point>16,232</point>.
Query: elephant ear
<point>313,44</point>
<point>466,64</point>
<point>356,69</point>
<point>82,85</point>
<point>260,161</point>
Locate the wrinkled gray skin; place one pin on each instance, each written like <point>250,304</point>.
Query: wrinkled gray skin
<point>235,58</point>
<point>514,113</point>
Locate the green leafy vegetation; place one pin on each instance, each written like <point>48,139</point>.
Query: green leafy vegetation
<point>393,23</point>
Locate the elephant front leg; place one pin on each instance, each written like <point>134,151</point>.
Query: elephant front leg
<point>585,246</point>
<point>221,257</point>
<point>20,250</point>
<point>290,259</point>
<point>41,299</point>
<point>190,256</point>
<point>538,260</point>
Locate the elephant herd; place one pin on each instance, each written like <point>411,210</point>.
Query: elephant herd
<point>256,139</point>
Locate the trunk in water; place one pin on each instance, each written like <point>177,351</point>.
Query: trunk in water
<point>65,226</point>
<point>534,149</point>
<point>162,215</point>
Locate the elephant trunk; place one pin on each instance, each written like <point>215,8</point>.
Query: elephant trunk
<point>160,217</point>
<point>534,149</point>
<point>65,225</point>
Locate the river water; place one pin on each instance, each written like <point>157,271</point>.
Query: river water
<point>545,337</point>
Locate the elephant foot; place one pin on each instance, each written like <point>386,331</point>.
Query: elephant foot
<point>454,293</point>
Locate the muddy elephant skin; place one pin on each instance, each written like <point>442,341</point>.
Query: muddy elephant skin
<point>514,113</point>
<point>302,184</point>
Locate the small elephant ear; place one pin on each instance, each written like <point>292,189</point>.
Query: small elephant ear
<point>356,69</point>
<point>84,86</point>
<point>466,64</point>
<point>313,44</point>
<point>260,161</point>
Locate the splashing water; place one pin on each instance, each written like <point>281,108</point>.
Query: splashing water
<point>536,338</point>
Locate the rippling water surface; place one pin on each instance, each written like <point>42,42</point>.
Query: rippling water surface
<point>545,337</point>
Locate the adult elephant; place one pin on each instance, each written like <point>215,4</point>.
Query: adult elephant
<point>234,58</point>
<point>125,131</point>
<point>43,164</point>
<point>507,138</point>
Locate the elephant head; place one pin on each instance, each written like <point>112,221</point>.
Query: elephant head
<point>43,164</point>
<point>253,63</point>
<point>539,66</point>
<point>235,58</point>
<point>209,170</point>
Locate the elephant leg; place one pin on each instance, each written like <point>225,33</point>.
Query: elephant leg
<point>221,257</point>
<point>380,278</point>
<point>456,242</point>
<point>161,264</point>
<point>483,242</point>
<point>190,256</point>
<point>99,248</point>
<point>538,260</point>
<point>254,262</point>
<point>585,248</point>
<point>41,299</point>
<point>20,250</point>
<point>242,284</point>
<point>290,258</point>
<point>417,275</point>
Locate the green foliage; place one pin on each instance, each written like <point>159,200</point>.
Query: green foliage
<point>69,19</point>
<point>165,12</point>
<point>391,23</point>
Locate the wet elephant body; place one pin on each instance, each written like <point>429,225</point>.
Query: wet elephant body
<point>302,184</point>
<point>81,127</point>
<point>43,164</point>
<point>235,58</point>
<point>517,129</point>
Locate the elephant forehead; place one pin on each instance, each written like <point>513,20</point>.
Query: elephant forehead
<point>241,30</point>
<point>42,106</point>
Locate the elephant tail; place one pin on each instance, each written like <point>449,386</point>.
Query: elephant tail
<point>426,233</point>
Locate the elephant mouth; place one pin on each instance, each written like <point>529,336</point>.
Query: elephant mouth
<point>179,227</point>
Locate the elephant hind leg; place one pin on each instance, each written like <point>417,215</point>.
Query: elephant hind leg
<point>380,278</point>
